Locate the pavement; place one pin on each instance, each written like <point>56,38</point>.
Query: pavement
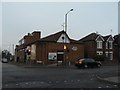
<point>111,79</point>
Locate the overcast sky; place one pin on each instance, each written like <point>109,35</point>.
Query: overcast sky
<point>20,18</point>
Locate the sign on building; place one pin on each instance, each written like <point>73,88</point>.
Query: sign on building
<point>52,56</point>
<point>74,48</point>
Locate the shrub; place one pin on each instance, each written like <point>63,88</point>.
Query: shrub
<point>99,57</point>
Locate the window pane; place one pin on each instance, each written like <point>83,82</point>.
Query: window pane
<point>111,56</point>
<point>110,45</point>
<point>106,45</point>
<point>99,44</point>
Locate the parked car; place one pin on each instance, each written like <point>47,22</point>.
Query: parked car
<point>4,60</point>
<point>87,62</point>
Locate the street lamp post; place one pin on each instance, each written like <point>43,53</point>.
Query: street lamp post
<point>66,19</point>
<point>65,29</point>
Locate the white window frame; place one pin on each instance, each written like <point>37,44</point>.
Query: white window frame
<point>111,42</point>
<point>109,55</point>
<point>99,44</point>
<point>106,45</point>
<point>106,54</point>
<point>99,52</point>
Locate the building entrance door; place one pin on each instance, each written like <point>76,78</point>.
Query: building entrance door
<point>60,56</point>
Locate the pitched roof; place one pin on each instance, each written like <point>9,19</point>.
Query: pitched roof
<point>106,37</point>
<point>89,37</point>
<point>116,39</point>
<point>54,37</point>
<point>75,41</point>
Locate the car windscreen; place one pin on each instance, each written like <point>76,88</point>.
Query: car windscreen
<point>89,60</point>
<point>81,60</point>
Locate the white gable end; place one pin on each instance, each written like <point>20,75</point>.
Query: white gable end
<point>110,38</point>
<point>99,38</point>
<point>63,39</point>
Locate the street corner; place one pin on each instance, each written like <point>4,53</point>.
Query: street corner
<point>110,79</point>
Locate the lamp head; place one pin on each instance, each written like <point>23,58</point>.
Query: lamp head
<point>71,10</point>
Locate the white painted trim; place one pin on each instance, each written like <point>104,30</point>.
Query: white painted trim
<point>99,52</point>
<point>66,39</point>
<point>111,44</point>
<point>100,37</point>
<point>106,45</point>
<point>109,38</point>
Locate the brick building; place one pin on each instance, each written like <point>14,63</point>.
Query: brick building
<point>108,47</point>
<point>51,49</point>
<point>97,44</point>
<point>117,47</point>
<point>20,50</point>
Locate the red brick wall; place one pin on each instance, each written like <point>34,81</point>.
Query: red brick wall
<point>36,35</point>
<point>44,48</point>
<point>20,55</point>
<point>90,49</point>
<point>28,39</point>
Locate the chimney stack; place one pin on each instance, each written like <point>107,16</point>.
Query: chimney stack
<point>36,35</point>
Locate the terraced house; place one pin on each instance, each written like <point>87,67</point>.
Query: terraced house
<point>98,44</point>
<point>57,47</point>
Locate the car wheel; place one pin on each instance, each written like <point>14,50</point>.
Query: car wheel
<point>85,66</point>
<point>98,65</point>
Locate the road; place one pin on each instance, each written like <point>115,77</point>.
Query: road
<point>47,77</point>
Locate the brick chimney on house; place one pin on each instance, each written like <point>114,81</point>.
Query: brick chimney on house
<point>27,38</point>
<point>36,35</point>
<point>31,37</point>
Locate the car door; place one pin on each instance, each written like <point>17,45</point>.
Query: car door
<point>88,62</point>
<point>93,63</point>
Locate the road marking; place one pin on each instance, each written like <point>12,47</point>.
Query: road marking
<point>50,82</point>
<point>99,87</point>
<point>41,82</point>
<point>115,85</point>
<point>71,80</point>
<point>26,83</point>
<point>16,84</point>
<point>56,81</point>
<point>91,79</point>
<point>33,82</point>
<point>107,86</point>
<point>65,81</point>
<point>6,85</point>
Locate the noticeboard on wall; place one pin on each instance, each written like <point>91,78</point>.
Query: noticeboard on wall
<point>52,56</point>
